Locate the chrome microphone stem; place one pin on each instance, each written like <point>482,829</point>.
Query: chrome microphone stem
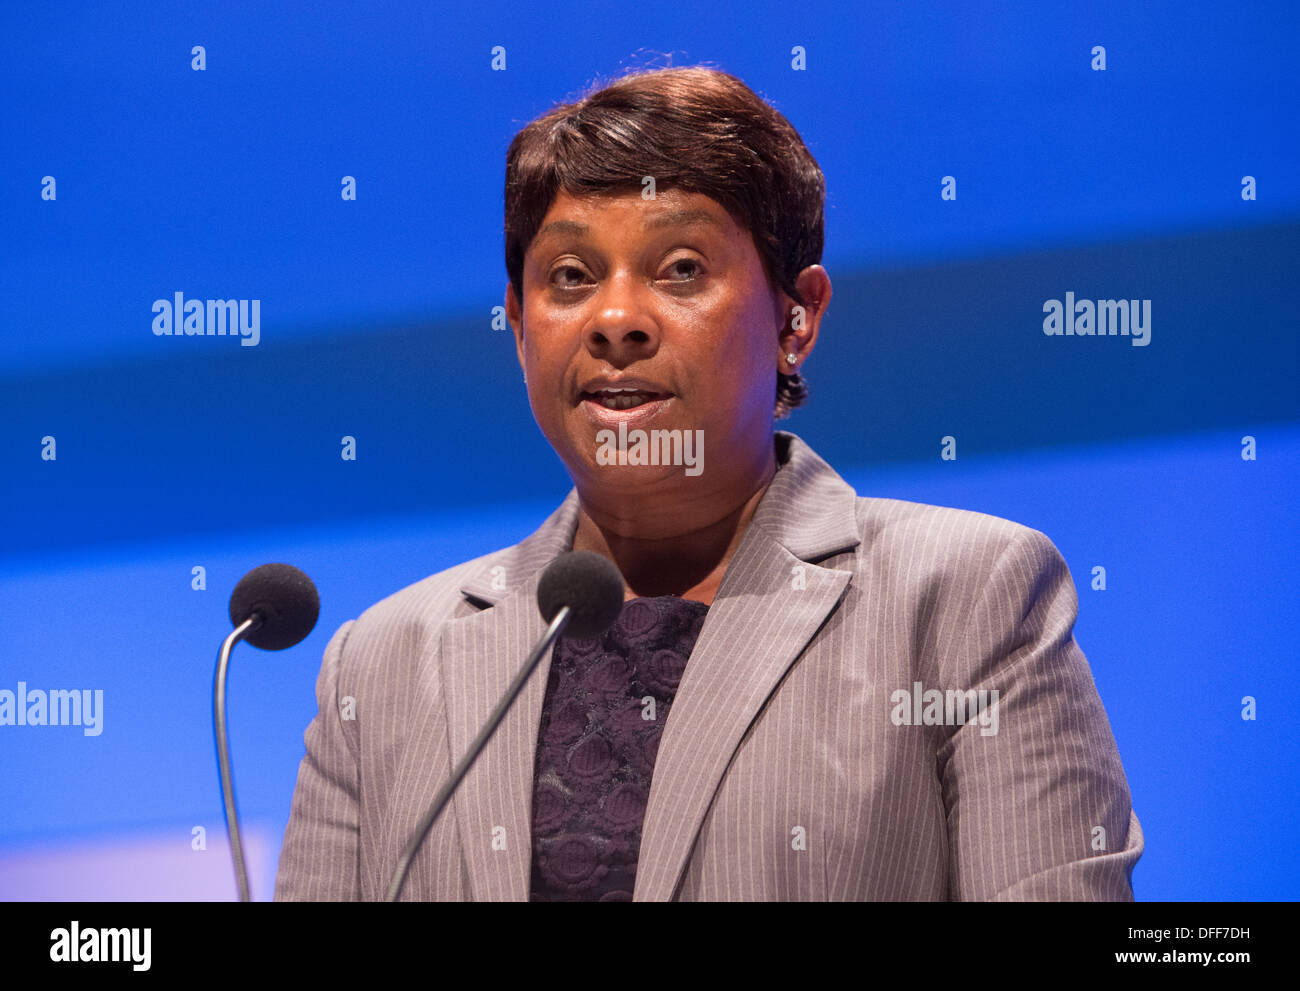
<point>462,768</point>
<point>223,750</point>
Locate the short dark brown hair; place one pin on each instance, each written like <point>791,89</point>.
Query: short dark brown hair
<point>696,129</point>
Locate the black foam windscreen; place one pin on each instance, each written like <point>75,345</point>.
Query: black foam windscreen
<point>590,585</point>
<point>285,598</point>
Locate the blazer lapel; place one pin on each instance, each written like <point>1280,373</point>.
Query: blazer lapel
<point>770,605</point>
<point>480,655</point>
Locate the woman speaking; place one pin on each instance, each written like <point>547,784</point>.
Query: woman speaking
<point>808,695</point>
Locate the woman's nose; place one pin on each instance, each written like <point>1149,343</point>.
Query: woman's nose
<point>623,327</point>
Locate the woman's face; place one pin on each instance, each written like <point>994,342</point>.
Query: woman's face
<point>665,296</point>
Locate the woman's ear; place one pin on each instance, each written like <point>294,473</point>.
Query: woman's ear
<point>803,320</point>
<point>515,315</point>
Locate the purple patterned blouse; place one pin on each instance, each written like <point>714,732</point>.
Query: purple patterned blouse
<point>606,703</point>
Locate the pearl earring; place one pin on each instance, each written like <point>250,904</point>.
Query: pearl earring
<point>792,359</point>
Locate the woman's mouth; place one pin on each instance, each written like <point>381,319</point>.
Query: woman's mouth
<point>621,399</point>
<point>610,408</point>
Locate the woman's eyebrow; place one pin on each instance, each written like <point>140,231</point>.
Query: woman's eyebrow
<point>683,218</point>
<point>563,227</point>
<point>670,218</point>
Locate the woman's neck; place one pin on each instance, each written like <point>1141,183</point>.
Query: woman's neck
<point>675,551</point>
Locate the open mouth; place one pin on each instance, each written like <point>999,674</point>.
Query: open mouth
<point>620,399</point>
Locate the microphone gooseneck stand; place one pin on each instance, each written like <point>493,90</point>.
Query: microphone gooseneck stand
<point>223,749</point>
<point>444,793</point>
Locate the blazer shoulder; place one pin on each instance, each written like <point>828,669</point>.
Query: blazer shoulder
<point>961,539</point>
<point>417,611</point>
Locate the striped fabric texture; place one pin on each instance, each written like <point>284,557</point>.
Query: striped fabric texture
<point>886,702</point>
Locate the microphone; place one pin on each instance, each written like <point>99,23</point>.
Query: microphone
<point>579,591</point>
<point>590,585</point>
<point>274,606</point>
<point>285,601</point>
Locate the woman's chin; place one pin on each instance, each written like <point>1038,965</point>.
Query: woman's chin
<point>611,476</point>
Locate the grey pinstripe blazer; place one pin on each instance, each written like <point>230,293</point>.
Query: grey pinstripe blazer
<point>787,768</point>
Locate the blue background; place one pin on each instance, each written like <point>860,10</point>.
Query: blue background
<point>182,451</point>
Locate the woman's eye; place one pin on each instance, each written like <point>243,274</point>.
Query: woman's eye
<point>687,267</point>
<point>565,271</point>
